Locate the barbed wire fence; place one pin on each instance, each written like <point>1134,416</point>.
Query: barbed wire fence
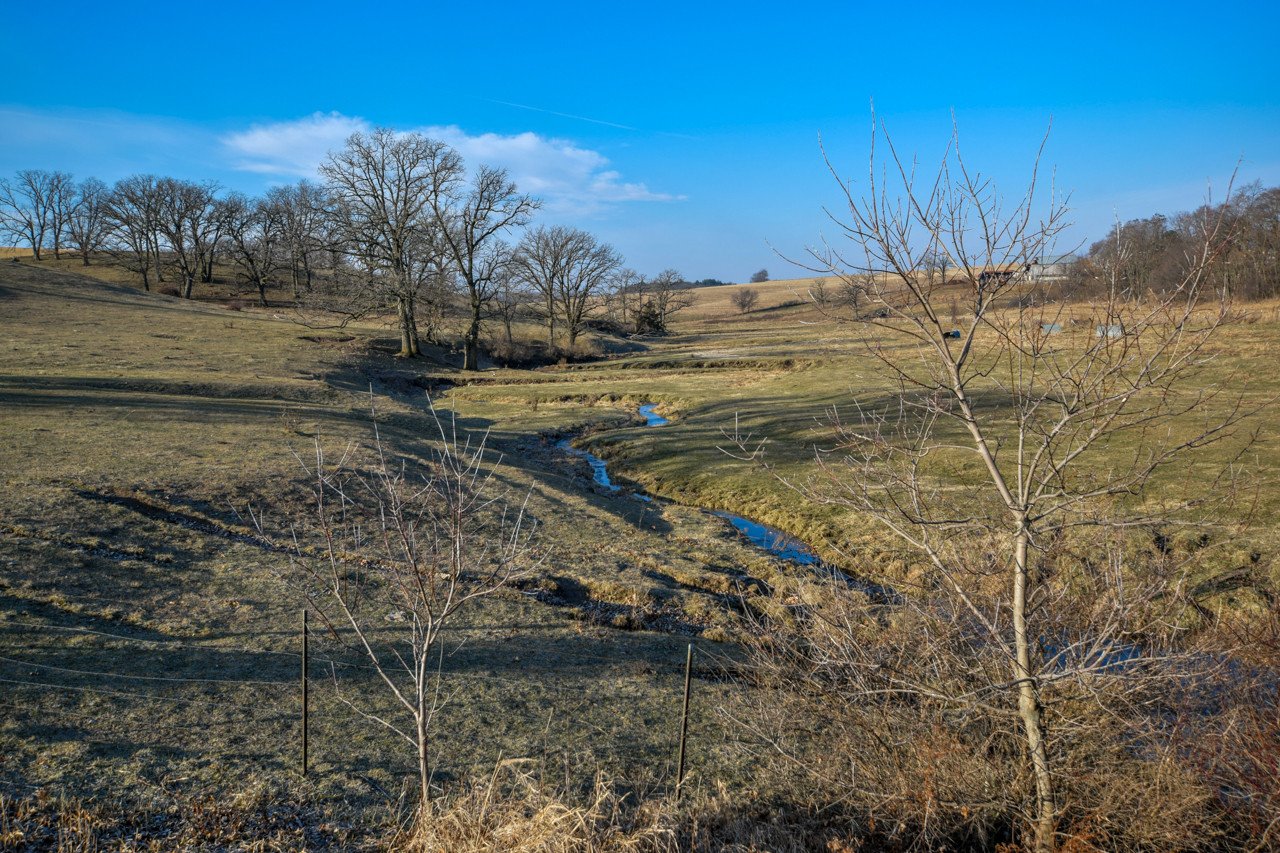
<point>279,703</point>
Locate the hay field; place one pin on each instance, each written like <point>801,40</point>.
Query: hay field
<point>716,302</point>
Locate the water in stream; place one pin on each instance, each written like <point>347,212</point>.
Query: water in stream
<point>651,418</point>
<point>771,539</point>
<point>762,536</point>
<point>598,471</point>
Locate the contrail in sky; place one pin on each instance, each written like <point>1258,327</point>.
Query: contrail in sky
<point>562,115</point>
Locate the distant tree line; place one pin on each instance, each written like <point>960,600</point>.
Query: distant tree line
<point>395,224</point>
<point>1143,255</point>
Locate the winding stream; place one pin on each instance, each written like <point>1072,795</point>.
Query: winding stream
<point>762,536</point>
<point>770,539</point>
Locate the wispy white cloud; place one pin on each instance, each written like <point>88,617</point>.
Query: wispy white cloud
<point>568,177</point>
<point>292,148</point>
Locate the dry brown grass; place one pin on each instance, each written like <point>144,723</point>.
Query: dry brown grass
<point>257,819</point>
<point>714,302</point>
<point>116,393</point>
<point>132,424</point>
<point>518,811</point>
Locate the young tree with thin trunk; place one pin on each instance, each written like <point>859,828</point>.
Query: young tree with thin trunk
<point>510,298</point>
<point>1005,445</point>
<point>417,541</point>
<point>537,264</point>
<point>625,299</point>
<point>381,187</point>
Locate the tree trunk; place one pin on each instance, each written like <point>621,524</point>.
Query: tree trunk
<point>188,284</point>
<point>156,257</point>
<point>471,348</point>
<point>1029,708</point>
<point>262,292</point>
<point>471,341</point>
<point>146,278</point>
<point>424,766</point>
<point>85,257</point>
<point>408,329</point>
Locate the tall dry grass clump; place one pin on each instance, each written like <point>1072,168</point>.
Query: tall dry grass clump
<point>515,810</point>
<point>518,810</point>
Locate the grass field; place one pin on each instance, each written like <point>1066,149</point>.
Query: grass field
<point>132,429</point>
<point>776,372</point>
<point>136,428</point>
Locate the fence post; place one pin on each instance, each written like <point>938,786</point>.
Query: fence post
<point>684,718</point>
<point>305,696</point>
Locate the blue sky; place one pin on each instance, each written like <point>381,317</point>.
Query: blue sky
<point>685,134</point>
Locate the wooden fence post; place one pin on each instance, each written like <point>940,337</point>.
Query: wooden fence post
<point>684,718</point>
<point>305,696</point>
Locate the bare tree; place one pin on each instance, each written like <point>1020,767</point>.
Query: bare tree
<point>850,293</point>
<point>381,187</point>
<point>933,263</point>
<point>744,299</point>
<point>837,299</point>
<point>189,220</point>
<point>25,207</point>
<point>569,268</point>
<point>62,197</point>
<point>214,239</point>
<point>133,221</point>
<point>510,298</point>
<point>666,296</point>
<point>624,300</point>
<point>302,210</point>
<point>819,295</point>
<point>537,265</point>
<point>471,227</point>
<point>759,276</point>
<point>416,542</point>
<point>1061,432</point>
<point>87,224</point>
<point>1149,252</point>
<point>254,235</point>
